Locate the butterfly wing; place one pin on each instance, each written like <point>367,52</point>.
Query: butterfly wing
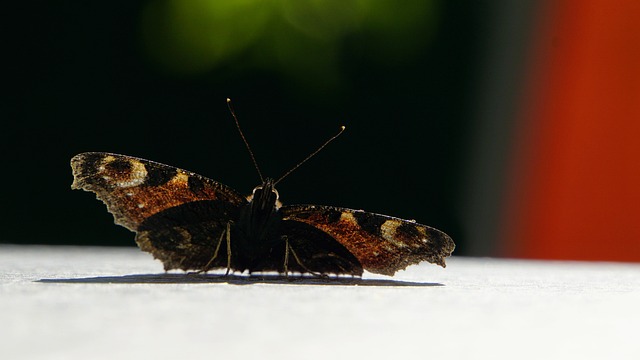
<point>382,244</point>
<point>178,215</point>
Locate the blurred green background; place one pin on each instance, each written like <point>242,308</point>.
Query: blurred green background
<point>150,79</point>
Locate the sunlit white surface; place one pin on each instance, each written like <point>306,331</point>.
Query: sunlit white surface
<point>116,303</point>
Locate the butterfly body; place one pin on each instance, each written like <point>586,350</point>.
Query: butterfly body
<point>259,222</point>
<point>190,222</point>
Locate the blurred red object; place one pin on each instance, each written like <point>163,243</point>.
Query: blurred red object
<point>575,174</point>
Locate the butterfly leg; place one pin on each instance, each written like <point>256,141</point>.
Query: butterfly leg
<point>289,248</point>
<point>228,248</point>
<point>286,257</point>
<point>215,254</point>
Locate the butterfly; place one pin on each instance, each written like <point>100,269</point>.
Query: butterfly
<point>193,223</point>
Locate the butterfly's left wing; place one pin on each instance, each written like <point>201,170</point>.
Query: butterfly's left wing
<point>178,216</point>
<point>382,244</point>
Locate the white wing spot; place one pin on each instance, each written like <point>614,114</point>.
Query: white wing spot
<point>348,218</point>
<point>136,177</point>
<point>107,159</point>
<point>388,232</point>
<point>180,177</point>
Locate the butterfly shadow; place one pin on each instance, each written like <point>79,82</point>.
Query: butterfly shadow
<point>192,278</point>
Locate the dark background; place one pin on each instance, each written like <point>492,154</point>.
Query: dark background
<point>114,76</point>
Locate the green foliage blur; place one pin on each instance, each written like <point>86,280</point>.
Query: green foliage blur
<point>189,38</point>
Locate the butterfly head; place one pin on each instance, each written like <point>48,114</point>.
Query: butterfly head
<point>265,196</point>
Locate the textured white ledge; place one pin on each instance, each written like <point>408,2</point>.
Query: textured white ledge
<point>116,303</point>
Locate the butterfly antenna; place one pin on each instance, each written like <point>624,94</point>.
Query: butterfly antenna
<point>253,158</point>
<point>311,155</point>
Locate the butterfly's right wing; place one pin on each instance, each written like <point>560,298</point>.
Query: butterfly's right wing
<point>382,244</point>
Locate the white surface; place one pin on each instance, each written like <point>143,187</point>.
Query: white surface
<point>102,303</point>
